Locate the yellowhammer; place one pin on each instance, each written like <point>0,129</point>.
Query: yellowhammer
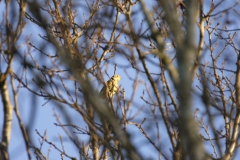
<point>111,88</point>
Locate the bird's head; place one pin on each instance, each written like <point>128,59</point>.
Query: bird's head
<point>116,77</point>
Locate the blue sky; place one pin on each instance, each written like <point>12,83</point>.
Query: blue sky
<point>34,111</point>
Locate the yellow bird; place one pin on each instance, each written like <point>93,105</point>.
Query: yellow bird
<point>111,88</point>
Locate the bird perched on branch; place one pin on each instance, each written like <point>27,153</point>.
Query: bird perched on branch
<point>110,87</point>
